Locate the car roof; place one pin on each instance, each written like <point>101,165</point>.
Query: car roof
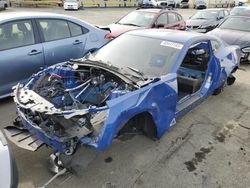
<point>154,10</point>
<point>239,7</point>
<point>239,16</point>
<point>24,15</point>
<point>213,9</point>
<point>167,34</point>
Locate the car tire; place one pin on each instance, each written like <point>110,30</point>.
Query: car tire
<point>218,90</point>
<point>230,80</point>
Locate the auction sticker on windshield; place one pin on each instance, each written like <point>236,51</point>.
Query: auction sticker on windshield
<point>172,44</point>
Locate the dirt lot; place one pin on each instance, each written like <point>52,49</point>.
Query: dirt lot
<point>209,147</point>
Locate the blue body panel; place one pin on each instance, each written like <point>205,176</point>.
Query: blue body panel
<point>158,98</point>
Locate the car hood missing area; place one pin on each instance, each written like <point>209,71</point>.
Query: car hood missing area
<point>66,103</point>
<point>87,102</point>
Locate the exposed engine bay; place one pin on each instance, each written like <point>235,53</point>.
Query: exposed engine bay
<point>68,102</point>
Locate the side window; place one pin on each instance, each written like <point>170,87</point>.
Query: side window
<point>179,17</point>
<point>215,45</point>
<point>162,19</point>
<point>221,14</point>
<point>54,29</point>
<point>198,56</point>
<point>16,34</point>
<point>172,18</point>
<point>226,13</point>
<point>75,29</point>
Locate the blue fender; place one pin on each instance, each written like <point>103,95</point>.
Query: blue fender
<point>159,99</point>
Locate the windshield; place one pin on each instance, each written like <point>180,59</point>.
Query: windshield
<point>138,18</point>
<point>151,57</point>
<point>236,23</point>
<point>240,11</point>
<point>205,14</point>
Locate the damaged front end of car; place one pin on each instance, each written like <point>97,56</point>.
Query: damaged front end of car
<point>65,105</point>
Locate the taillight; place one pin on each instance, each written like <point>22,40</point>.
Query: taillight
<point>108,36</point>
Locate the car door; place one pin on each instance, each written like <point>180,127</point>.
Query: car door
<point>21,53</point>
<point>62,40</point>
<point>198,75</point>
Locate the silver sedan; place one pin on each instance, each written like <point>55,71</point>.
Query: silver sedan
<point>29,42</point>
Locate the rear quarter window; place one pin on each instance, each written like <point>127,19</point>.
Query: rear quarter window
<point>75,29</point>
<point>179,17</point>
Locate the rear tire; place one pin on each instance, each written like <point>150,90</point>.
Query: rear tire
<point>218,90</point>
<point>230,80</point>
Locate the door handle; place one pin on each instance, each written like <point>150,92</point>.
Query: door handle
<point>34,52</point>
<point>77,42</point>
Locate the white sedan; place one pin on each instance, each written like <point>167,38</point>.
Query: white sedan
<point>8,170</point>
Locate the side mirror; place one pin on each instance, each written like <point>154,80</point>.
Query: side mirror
<point>219,18</point>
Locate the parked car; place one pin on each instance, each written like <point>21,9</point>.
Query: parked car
<point>30,42</point>
<point>72,4</point>
<point>145,4</point>
<point>235,30</point>
<point>241,3</point>
<point>3,4</point>
<point>140,82</point>
<point>157,3</point>
<point>240,11</point>
<point>183,4</point>
<point>206,20</point>
<point>148,18</point>
<point>200,4</point>
<point>8,170</point>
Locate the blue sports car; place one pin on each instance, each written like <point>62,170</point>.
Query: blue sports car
<point>141,81</point>
<point>30,42</point>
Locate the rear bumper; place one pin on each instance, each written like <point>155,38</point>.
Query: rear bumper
<point>184,5</point>
<point>201,6</point>
<point>70,7</point>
